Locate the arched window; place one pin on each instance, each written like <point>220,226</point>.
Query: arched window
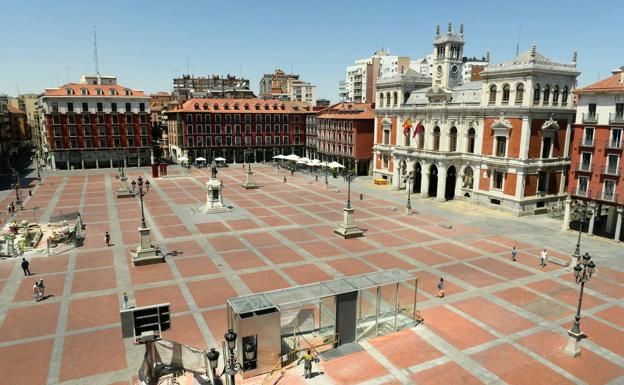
<point>436,138</point>
<point>395,99</point>
<point>98,91</point>
<point>453,139</point>
<point>69,91</point>
<point>113,92</point>
<point>564,96</point>
<point>84,91</point>
<point>556,95</point>
<point>471,140</point>
<point>506,93</point>
<point>381,99</point>
<point>387,99</point>
<point>536,94</point>
<point>546,93</point>
<point>492,94</point>
<point>519,93</point>
<point>215,106</point>
<point>236,106</point>
<point>205,107</point>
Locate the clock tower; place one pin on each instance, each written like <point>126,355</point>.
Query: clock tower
<point>448,51</point>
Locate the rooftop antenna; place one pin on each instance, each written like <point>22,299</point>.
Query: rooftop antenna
<point>188,66</point>
<point>95,57</point>
<point>518,41</point>
<point>18,90</point>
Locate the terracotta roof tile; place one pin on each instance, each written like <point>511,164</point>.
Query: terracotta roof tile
<point>106,90</point>
<point>346,110</point>
<point>612,83</point>
<point>238,105</point>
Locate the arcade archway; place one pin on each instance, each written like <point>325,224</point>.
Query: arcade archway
<point>433,181</point>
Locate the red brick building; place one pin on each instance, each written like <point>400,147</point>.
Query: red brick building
<point>345,134</point>
<point>94,124</point>
<point>596,158</point>
<point>212,128</point>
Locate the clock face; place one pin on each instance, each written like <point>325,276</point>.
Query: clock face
<point>439,71</point>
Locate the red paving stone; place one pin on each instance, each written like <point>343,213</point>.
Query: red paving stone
<point>25,322</point>
<point>531,259</point>
<point>320,249</point>
<point>616,276</point>
<point>489,247</point>
<point>212,227</point>
<point>350,266</point>
<point>425,256</point>
<point>449,373</point>
<point>174,231</point>
<point>455,329</point>
<point>91,259</point>
<point>413,236</point>
<point>54,284</point>
<point>194,266</point>
<point>565,294</point>
<point>226,243</point>
<point>47,265</point>
<point>453,250</point>
<point>275,221</point>
<point>26,363</point>
<point>185,248</point>
<point>164,294</point>
<point>304,274</point>
<point>243,259</point>
<point>298,235</point>
<point>386,240</point>
<point>348,370</point>
<point>493,315</point>
<point>212,292</point>
<point>405,349</point>
<point>261,239</point>
<point>510,242</point>
<point>600,333</point>
<point>516,367</point>
<point>242,224</point>
<point>93,280</point>
<point>264,281</point>
<point>589,366</point>
<point>184,330</point>
<point>387,261</point>
<point>150,273</point>
<point>537,305</point>
<point>354,245</point>
<point>428,283</point>
<point>93,311</point>
<point>470,275</point>
<point>613,314</point>
<point>217,322</point>
<point>280,254</point>
<point>106,353</point>
<point>500,268</point>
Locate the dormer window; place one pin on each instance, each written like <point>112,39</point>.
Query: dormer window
<point>196,106</point>
<point>113,92</point>
<point>257,106</point>
<point>215,106</point>
<point>266,106</point>
<point>282,107</point>
<point>236,106</point>
<point>127,92</point>
<point>226,106</point>
<point>69,91</point>
<point>84,91</point>
<point>205,106</point>
<point>275,106</point>
<point>98,91</point>
<point>246,106</point>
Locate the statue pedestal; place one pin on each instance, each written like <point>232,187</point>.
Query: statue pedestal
<point>347,229</point>
<point>146,254</point>
<point>214,198</point>
<point>573,346</point>
<point>123,191</point>
<point>249,183</point>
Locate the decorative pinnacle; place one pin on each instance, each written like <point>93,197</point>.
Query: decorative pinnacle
<point>461,29</point>
<point>574,56</point>
<point>487,56</point>
<point>450,28</point>
<point>438,30</point>
<point>533,49</point>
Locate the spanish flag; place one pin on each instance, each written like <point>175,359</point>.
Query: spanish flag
<point>419,129</point>
<point>407,125</point>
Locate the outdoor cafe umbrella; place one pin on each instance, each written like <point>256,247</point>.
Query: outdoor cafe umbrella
<point>335,165</point>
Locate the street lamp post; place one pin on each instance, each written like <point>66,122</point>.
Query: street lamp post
<point>348,229</point>
<point>408,182</point>
<point>582,212</point>
<point>141,194</point>
<point>349,176</point>
<point>249,183</point>
<point>582,273</point>
<point>232,366</point>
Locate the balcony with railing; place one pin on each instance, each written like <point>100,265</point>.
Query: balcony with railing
<point>590,117</point>
<point>587,142</point>
<point>608,196</point>
<point>584,193</point>
<point>610,170</point>
<point>617,117</point>
<point>613,144</point>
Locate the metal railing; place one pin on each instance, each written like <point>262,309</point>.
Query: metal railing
<point>610,170</point>
<point>584,167</point>
<point>613,144</point>
<point>617,117</point>
<point>607,196</point>
<point>582,193</point>
<point>590,117</point>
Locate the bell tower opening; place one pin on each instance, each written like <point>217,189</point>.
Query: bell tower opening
<point>448,53</point>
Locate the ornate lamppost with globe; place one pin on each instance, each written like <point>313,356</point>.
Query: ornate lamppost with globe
<point>408,182</point>
<point>145,252</point>
<point>249,183</point>
<point>582,273</point>
<point>583,213</point>
<point>347,228</point>
<point>232,366</point>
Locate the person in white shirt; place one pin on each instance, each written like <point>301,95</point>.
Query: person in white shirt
<point>543,257</point>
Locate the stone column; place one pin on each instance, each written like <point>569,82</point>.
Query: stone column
<point>566,214</point>
<point>592,219</point>
<point>618,224</point>
<point>97,163</point>
<point>611,217</point>
<point>110,163</point>
<point>441,184</point>
<point>424,181</point>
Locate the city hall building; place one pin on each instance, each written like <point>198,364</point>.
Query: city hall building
<point>502,141</point>
<point>96,123</point>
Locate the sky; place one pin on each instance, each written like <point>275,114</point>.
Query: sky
<point>148,43</point>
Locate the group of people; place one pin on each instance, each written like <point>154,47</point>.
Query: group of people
<point>39,290</point>
<point>543,256</point>
<point>11,208</point>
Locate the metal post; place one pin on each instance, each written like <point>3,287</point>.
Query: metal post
<point>409,202</point>
<point>576,328</point>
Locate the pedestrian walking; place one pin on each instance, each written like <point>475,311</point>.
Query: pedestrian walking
<point>307,363</point>
<point>13,207</point>
<point>316,178</point>
<point>284,181</point>
<point>124,300</point>
<point>514,253</point>
<point>25,265</point>
<point>543,257</point>
<point>36,293</point>
<point>107,238</point>
<point>9,210</point>
<point>441,288</point>
<point>41,287</point>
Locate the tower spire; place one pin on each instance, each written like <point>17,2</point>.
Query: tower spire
<point>95,57</point>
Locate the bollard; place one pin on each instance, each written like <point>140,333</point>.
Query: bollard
<point>29,193</point>
<point>361,197</point>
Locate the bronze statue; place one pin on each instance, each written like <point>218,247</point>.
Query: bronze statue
<point>214,169</point>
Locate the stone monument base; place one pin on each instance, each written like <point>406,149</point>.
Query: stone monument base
<point>207,209</point>
<point>146,256</point>
<point>124,193</point>
<point>573,346</point>
<point>249,183</point>
<point>347,229</point>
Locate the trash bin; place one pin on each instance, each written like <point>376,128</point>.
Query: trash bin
<point>154,170</point>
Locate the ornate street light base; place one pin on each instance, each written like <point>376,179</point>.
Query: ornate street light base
<point>573,346</point>
<point>408,210</point>
<point>347,229</point>
<point>123,191</point>
<point>249,183</point>
<point>145,253</point>
<point>214,198</point>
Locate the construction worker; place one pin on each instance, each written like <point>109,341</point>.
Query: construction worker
<point>307,363</point>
